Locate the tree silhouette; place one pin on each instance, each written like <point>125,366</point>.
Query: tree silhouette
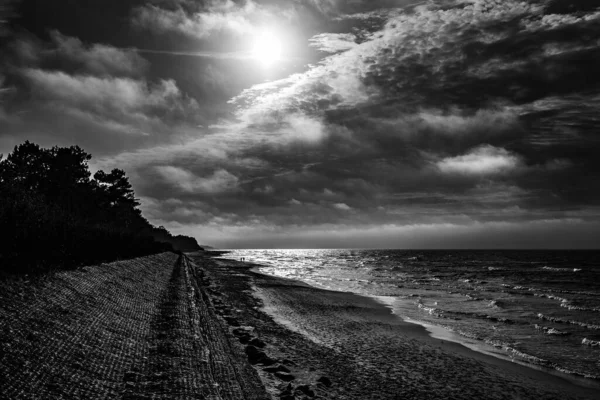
<point>55,215</point>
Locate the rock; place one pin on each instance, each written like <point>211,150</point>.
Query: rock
<point>288,362</point>
<point>130,376</point>
<point>256,356</point>
<point>284,376</point>
<point>324,380</point>
<point>253,352</point>
<point>306,390</point>
<point>267,361</point>
<point>244,339</point>
<point>278,368</point>
<point>231,321</point>
<point>242,330</point>
<point>257,342</point>
<point>287,392</point>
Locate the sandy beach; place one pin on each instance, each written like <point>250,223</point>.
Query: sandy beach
<point>174,326</point>
<point>359,348</point>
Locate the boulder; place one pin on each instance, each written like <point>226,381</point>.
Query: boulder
<point>285,376</point>
<point>324,380</point>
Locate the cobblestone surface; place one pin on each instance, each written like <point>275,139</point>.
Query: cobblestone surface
<point>136,329</point>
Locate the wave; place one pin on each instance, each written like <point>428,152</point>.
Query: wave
<point>457,314</point>
<point>550,331</point>
<point>495,304</point>
<point>562,269</point>
<point>436,312</point>
<point>566,303</point>
<point>519,355</point>
<point>568,321</point>
<point>561,291</point>
<point>591,343</point>
<point>572,307</point>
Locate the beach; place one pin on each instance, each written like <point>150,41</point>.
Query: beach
<point>361,348</point>
<point>191,326</point>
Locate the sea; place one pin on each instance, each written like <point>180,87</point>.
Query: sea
<point>535,307</point>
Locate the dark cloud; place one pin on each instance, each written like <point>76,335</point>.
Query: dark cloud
<point>205,19</point>
<point>64,90</point>
<point>333,42</point>
<point>97,59</point>
<point>433,123</point>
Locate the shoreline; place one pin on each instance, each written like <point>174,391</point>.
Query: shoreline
<point>182,326</point>
<point>415,331</point>
<point>467,347</point>
<point>480,347</point>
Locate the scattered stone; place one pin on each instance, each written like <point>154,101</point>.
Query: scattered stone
<point>256,356</point>
<point>267,361</point>
<point>306,390</point>
<point>284,376</point>
<point>130,376</point>
<point>278,368</point>
<point>287,393</point>
<point>257,342</point>
<point>324,380</point>
<point>231,321</point>
<point>242,330</point>
<point>244,339</point>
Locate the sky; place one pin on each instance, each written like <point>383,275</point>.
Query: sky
<point>323,123</point>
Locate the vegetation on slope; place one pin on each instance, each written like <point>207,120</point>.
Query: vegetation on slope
<point>55,215</point>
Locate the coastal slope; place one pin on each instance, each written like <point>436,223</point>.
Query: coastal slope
<point>139,329</point>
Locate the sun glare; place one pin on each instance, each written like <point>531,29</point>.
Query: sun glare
<point>267,49</point>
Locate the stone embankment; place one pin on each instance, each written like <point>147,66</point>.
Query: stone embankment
<point>136,329</point>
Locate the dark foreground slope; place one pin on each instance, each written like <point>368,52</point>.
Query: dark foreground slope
<point>134,329</point>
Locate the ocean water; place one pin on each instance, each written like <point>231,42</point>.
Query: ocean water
<point>538,307</point>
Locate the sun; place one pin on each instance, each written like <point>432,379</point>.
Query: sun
<point>267,48</point>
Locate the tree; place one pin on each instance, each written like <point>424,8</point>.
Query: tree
<point>116,188</point>
<point>117,198</point>
<point>53,214</point>
<point>48,171</point>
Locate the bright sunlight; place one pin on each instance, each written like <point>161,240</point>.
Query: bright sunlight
<point>267,48</point>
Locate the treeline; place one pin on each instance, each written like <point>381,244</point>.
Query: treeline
<point>55,215</point>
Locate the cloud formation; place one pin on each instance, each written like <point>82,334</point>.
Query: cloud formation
<point>200,19</point>
<point>333,42</point>
<point>417,120</point>
<point>484,160</point>
<point>220,181</point>
<point>97,59</point>
<point>95,93</point>
<point>439,112</point>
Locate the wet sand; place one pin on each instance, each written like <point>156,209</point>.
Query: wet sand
<point>358,349</point>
